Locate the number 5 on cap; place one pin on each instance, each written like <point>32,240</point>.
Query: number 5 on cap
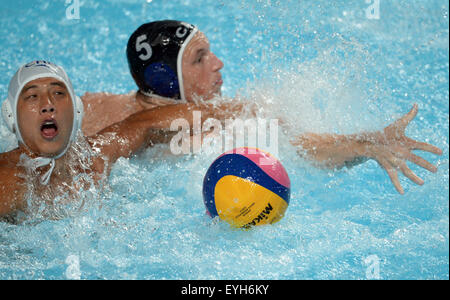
<point>142,45</point>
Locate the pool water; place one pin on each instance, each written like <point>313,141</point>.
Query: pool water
<point>325,67</point>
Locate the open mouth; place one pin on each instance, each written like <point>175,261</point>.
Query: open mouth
<point>49,129</point>
<point>218,85</point>
<point>219,82</point>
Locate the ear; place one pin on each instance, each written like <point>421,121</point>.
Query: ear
<point>8,115</point>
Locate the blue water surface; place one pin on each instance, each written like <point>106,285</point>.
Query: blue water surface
<point>325,67</point>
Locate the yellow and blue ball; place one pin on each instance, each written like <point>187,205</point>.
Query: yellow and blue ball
<point>246,187</point>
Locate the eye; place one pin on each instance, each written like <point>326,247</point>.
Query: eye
<point>200,56</point>
<point>59,93</point>
<point>199,59</point>
<point>31,97</point>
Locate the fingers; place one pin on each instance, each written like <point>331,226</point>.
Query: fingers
<point>424,146</point>
<point>400,164</point>
<point>392,163</point>
<point>410,174</point>
<point>410,115</point>
<point>397,128</point>
<point>420,162</point>
<point>392,174</point>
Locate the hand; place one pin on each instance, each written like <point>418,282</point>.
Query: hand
<point>391,149</point>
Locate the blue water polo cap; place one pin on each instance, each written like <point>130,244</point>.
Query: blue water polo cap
<point>155,52</point>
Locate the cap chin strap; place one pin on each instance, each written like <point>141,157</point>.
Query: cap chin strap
<point>158,97</point>
<point>38,162</point>
<point>35,163</point>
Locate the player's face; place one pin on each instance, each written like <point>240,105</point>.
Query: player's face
<point>201,70</point>
<point>45,116</point>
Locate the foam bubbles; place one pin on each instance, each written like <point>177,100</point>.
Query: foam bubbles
<point>323,70</point>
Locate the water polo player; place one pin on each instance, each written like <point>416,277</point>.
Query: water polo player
<point>44,113</point>
<point>171,62</point>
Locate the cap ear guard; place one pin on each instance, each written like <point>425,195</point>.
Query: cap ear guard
<point>8,115</point>
<point>79,110</point>
<point>162,79</point>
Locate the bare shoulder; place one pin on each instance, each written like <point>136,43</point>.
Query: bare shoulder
<point>9,160</point>
<point>102,103</point>
<point>11,184</point>
<point>103,97</point>
<point>104,109</point>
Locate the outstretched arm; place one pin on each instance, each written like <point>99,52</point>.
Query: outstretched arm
<point>143,128</point>
<point>390,148</point>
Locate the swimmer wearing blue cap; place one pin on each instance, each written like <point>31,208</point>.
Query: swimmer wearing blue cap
<point>44,113</point>
<point>171,62</point>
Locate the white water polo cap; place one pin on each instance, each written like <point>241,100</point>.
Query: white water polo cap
<point>29,72</point>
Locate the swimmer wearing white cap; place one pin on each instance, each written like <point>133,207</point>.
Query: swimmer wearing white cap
<point>191,71</point>
<point>44,113</point>
<point>59,113</point>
